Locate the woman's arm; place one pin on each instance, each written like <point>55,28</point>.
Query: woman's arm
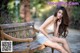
<point>56,33</point>
<point>45,24</point>
<point>56,29</point>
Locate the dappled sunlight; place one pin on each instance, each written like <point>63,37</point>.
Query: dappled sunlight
<point>48,7</point>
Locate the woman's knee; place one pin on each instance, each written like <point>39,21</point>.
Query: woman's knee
<point>60,40</point>
<point>50,43</point>
<point>64,40</point>
<point>54,45</point>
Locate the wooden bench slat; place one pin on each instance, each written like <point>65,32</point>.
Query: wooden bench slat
<point>23,46</point>
<point>17,30</point>
<point>14,25</point>
<point>34,45</point>
<point>20,47</point>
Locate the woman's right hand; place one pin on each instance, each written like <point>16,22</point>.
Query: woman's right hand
<point>59,22</point>
<point>49,38</point>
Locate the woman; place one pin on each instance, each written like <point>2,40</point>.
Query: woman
<point>60,21</point>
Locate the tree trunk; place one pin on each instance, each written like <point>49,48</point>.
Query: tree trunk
<point>25,10</point>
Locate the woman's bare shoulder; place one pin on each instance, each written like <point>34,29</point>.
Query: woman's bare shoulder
<point>52,17</point>
<point>47,21</point>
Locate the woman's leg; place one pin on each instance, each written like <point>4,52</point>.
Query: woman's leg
<point>64,43</point>
<point>55,46</point>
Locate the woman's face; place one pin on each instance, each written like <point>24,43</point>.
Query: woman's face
<point>59,14</point>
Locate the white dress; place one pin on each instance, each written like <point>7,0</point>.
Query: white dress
<point>41,38</point>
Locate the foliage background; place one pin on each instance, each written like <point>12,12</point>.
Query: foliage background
<point>39,9</point>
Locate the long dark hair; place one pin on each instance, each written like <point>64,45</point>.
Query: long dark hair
<point>65,21</point>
